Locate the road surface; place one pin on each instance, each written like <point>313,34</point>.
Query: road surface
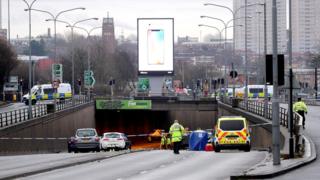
<point>160,164</point>
<point>311,171</point>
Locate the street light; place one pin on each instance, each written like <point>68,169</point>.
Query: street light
<point>30,63</point>
<point>234,12</point>
<point>54,19</point>
<point>88,47</point>
<point>72,57</point>
<point>213,27</point>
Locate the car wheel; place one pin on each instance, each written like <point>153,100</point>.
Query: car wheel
<point>217,149</point>
<point>33,102</point>
<point>98,150</point>
<point>247,148</point>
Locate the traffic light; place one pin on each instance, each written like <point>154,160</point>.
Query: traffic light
<point>198,83</point>
<point>269,69</point>
<point>79,82</point>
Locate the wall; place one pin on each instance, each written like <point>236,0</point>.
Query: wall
<point>59,125</point>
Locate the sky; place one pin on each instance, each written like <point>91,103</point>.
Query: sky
<point>125,13</point>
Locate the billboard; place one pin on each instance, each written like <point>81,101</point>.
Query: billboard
<point>155,46</point>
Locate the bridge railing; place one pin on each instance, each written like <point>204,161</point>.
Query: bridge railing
<point>21,114</point>
<point>257,107</point>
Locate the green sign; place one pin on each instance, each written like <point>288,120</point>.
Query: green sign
<point>143,84</point>
<point>57,72</point>
<point>123,104</point>
<point>89,80</point>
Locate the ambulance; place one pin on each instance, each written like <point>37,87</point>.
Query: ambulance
<point>232,132</point>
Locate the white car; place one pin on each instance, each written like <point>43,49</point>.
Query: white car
<point>114,140</point>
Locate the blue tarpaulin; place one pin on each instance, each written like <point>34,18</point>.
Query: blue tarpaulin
<point>198,140</point>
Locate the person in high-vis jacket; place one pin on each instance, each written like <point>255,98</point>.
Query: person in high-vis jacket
<point>301,108</point>
<point>176,131</point>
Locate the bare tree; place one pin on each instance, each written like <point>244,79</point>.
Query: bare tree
<point>8,60</point>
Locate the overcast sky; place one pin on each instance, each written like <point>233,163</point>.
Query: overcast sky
<point>125,13</point>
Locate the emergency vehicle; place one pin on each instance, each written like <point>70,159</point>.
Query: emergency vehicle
<point>46,92</point>
<point>232,132</point>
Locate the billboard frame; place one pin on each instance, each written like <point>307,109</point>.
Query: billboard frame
<point>156,73</point>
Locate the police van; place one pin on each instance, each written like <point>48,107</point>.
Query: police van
<point>46,92</point>
<point>232,132</point>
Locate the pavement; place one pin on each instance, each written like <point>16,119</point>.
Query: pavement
<point>266,169</point>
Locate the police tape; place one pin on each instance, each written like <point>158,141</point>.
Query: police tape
<point>65,138</point>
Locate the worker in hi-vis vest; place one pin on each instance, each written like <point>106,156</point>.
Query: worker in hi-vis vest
<point>176,131</point>
<point>300,107</point>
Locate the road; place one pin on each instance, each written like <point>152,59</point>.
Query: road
<point>311,171</point>
<point>160,164</point>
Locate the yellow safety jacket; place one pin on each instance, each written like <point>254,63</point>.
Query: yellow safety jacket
<point>300,106</point>
<point>163,140</point>
<point>176,131</point>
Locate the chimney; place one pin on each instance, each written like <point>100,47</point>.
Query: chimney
<point>49,33</point>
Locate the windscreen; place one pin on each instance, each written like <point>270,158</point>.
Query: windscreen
<point>48,91</point>
<point>234,125</point>
<point>86,133</point>
<point>112,135</point>
<point>256,90</point>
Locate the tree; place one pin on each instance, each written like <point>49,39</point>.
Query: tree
<point>37,48</point>
<point>8,60</point>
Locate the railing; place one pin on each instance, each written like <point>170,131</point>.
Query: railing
<point>257,107</point>
<point>20,115</point>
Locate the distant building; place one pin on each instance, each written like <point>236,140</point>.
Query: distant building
<point>305,26</point>
<point>255,28</point>
<point>187,39</point>
<point>108,36</point>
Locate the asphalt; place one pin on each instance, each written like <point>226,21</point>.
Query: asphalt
<point>266,169</point>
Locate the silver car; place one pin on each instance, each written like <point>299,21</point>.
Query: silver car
<point>85,139</point>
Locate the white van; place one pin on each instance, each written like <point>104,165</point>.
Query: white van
<point>46,92</point>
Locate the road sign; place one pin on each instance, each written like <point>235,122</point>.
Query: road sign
<point>89,80</point>
<point>57,72</point>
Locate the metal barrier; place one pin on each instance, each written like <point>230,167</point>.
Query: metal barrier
<point>257,107</point>
<point>20,115</point>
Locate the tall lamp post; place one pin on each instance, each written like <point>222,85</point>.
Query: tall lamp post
<point>30,63</point>
<point>71,26</point>
<point>234,13</point>
<point>55,19</point>
<point>88,48</point>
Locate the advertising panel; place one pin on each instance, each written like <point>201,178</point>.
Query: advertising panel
<point>123,104</point>
<point>155,44</point>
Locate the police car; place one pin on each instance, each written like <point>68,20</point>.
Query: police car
<point>232,132</point>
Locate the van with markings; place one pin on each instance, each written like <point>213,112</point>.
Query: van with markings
<point>232,132</point>
<point>46,92</point>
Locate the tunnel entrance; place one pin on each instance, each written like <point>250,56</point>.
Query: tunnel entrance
<point>131,122</point>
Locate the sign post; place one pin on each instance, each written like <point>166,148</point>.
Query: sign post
<point>89,81</point>
<point>57,72</point>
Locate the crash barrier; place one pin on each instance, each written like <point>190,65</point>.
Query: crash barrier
<point>258,107</point>
<point>21,114</point>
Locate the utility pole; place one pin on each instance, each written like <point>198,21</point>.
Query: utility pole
<point>265,58</point>
<point>275,98</point>
<point>246,54</point>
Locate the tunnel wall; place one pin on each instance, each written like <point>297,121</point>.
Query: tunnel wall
<point>53,126</point>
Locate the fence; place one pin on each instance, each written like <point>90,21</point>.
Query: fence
<point>257,107</point>
<point>21,114</point>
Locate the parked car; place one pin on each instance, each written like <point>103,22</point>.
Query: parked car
<point>232,132</point>
<point>115,140</point>
<point>85,139</point>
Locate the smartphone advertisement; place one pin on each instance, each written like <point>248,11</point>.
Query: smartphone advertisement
<point>155,43</point>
